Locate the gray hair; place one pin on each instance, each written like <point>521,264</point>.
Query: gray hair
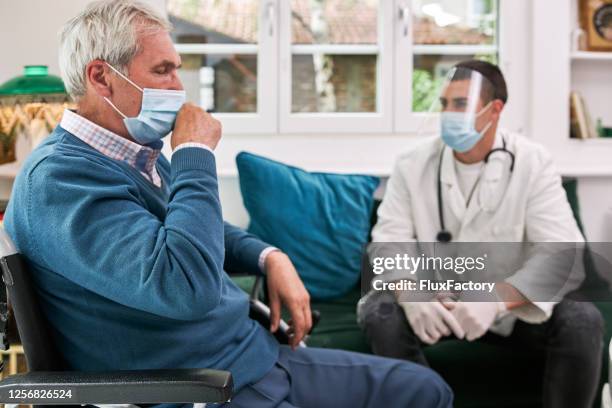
<point>106,30</point>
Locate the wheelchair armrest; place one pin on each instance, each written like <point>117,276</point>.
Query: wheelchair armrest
<point>260,312</point>
<point>117,387</point>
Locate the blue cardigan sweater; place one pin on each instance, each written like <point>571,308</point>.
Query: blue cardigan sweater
<point>131,276</point>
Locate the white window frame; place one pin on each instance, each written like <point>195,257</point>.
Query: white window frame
<point>264,121</point>
<point>405,120</point>
<point>338,144</point>
<point>322,123</point>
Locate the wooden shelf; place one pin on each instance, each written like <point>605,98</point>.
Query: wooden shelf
<point>591,56</point>
<point>583,171</point>
<point>592,140</point>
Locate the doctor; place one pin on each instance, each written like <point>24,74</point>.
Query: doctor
<point>479,183</point>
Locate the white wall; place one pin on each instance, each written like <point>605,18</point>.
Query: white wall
<point>30,29</point>
<point>30,32</point>
<point>595,195</point>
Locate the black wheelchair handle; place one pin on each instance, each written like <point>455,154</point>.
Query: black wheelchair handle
<point>260,312</point>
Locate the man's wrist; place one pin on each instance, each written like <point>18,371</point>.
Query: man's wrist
<point>502,309</point>
<point>264,257</point>
<point>510,296</point>
<point>193,159</point>
<point>193,144</point>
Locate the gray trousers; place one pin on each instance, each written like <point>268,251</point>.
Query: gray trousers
<point>571,340</point>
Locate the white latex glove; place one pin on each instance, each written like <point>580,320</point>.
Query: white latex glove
<point>475,317</point>
<point>431,320</point>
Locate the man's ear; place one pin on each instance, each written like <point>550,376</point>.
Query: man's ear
<point>498,107</point>
<point>98,77</point>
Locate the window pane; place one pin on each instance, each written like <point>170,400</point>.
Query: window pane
<point>214,21</point>
<point>440,22</point>
<point>221,83</point>
<point>429,73</point>
<point>334,21</point>
<point>340,83</point>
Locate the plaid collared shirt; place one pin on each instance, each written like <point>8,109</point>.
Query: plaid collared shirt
<point>142,158</point>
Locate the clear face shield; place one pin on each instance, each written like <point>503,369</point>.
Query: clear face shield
<point>464,109</point>
<point>463,113</point>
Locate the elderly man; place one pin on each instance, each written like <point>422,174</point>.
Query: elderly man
<point>128,251</point>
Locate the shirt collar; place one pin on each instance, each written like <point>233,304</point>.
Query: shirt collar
<point>448,170</point>
<point>110,144</point>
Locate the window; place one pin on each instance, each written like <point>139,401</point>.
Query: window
<point>334,56</point>
<point>446,33</point>
<point>434,36</point>
<point>326,66</point>
<point>336,69</point>
<point>228,63</point>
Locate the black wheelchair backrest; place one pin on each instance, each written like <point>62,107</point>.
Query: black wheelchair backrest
<point>41,353</point>
<point>48,383</point>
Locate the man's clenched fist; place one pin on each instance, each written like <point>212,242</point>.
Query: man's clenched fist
<point>194,125</point>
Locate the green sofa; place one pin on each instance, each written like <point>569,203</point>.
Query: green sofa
<point>481,375</point>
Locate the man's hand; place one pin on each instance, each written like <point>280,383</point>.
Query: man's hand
<point>475,317</point>
<point>431,320</point>
<point>194,125</point>
<point>286,288</point>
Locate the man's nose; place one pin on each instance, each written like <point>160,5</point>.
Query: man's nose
<point>176,83</point>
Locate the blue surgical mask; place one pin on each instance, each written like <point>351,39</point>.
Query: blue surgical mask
<point>459,132</point>
<point>157,115</point>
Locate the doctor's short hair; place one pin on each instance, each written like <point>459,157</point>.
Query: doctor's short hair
<point>106,30</point>
<point>497,89</point>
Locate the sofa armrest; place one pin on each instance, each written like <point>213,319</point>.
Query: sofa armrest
<point>117,387</point>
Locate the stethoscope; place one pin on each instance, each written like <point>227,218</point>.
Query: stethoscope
<point>444,235</point>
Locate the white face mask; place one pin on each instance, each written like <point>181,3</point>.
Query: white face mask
<point>157,115</point>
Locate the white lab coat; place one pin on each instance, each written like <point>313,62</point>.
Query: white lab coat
<point>533,208</point>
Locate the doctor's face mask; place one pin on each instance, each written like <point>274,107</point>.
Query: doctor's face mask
<point>463,117</point>
<point>158,111</point>
<point>458,129</point>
